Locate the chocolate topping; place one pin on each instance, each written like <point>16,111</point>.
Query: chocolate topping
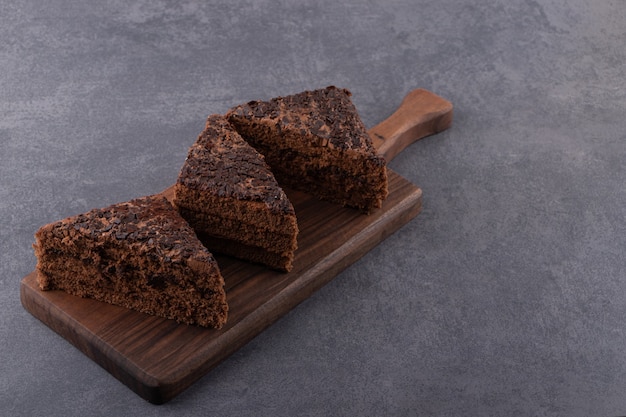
<point>221,162</point>
<point>151,222</point>
<point>328,114</point>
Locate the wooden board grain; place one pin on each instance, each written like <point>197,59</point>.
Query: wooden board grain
<point>158,358</point>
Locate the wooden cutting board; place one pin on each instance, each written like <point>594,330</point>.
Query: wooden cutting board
<point>158,358</point>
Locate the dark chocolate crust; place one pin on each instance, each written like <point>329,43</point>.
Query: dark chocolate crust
<point>222,163</point>
<point>149,222</point>
<point>327,114</point>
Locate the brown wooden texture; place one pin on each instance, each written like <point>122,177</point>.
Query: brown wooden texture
<point>420,114</point>
<point>158,358</point>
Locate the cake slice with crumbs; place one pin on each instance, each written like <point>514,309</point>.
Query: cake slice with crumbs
<point>141,255</point>
<point>315,142</point>
<point>228,194</point>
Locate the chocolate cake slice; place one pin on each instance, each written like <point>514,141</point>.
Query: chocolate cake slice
<point>228,194</point>
<point>316,142</point>
<point>139,254</point>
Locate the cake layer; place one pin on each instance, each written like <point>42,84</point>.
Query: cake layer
<point>279,261</point>
<point>298,143</point>
<point>148,294</point>
<point>247,234</point>
<point>253,213</point>
<point>346,184</point>
<point>139,254</point>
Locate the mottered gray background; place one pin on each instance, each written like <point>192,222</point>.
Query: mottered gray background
<point>505,296</point>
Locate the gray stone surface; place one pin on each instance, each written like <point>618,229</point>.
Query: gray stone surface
<point>506,296</point>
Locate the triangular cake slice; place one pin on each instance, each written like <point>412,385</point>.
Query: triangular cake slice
<point>140,255</point>
<point>228,194</point>
<point>316,142</point>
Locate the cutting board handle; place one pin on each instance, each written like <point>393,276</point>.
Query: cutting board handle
<point>420,114</point>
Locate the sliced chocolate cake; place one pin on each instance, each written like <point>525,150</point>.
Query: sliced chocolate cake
<point>141,255</point>
<point>228,194</point>
<point>316,142</point>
